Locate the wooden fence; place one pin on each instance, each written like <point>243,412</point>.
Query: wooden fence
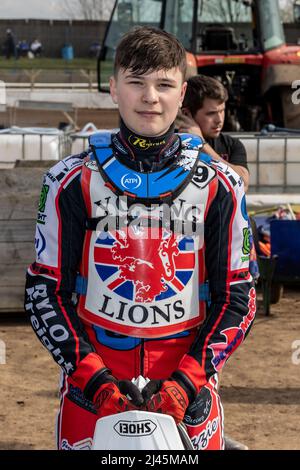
<point>19,194</point>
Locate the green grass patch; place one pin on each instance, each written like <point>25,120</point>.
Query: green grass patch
<point>48,63</point>
<point>15,67</point>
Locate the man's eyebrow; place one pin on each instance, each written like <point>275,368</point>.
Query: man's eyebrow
<point>160,79</point>
<point>167,79</point>
<point>130,75</point>
<point>215,110</point>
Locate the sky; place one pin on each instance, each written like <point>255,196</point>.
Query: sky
<point>50,9</point>
<point>32,9</point>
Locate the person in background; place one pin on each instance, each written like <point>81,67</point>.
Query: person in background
<point>203,114</point>
<point>9,45</point>
<point>23,48</point>
<point>36,48</point>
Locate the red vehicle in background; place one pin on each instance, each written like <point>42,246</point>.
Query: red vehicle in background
<point>240,42</point>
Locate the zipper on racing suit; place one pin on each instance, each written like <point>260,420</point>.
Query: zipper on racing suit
<point>142,357</point>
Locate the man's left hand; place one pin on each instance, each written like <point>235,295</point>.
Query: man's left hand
<point>166,396</point>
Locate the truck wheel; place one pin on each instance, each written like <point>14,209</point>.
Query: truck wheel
<point>276,292</point>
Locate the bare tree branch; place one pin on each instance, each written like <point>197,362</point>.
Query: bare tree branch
<point>88,9</point>
<point>216,10</point>
<point>286,11</point>
<point>222,11</point>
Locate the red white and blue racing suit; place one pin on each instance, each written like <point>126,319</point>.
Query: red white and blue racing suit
<point>111,295</point>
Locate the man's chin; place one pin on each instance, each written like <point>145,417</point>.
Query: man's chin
<point>150,131</point>
<point>214,135</point>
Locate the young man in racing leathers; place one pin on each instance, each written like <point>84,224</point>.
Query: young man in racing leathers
<point>138,226</point>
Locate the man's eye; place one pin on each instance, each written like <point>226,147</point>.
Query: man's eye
<point>135,82</point>
<point>166,85</point>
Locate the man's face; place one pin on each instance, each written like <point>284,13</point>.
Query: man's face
<point>210,118</point>
<point>148,104</point>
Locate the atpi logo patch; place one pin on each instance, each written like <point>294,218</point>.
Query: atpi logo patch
<point>131,181</point>
<point>144,264</point>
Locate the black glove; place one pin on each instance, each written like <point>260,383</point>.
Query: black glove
<point>131,391</point>
<point>127,388</point>
<point>166,396</point>
<point>119,390</point>
<point>151,388</point>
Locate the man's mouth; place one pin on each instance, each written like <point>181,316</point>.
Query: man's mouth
<point>149,113</point>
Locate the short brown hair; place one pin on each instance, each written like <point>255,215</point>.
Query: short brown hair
<point>145,49</point>
<point>200,87</point>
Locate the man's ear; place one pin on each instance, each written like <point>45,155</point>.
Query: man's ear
<point>113,89</point>
<point>182,94</point>
<point>186,112</point>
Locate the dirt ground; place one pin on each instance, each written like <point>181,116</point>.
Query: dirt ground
<point>260,384</point>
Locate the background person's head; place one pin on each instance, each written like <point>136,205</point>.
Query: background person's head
<point>204,101</point>
<point>149,80</point>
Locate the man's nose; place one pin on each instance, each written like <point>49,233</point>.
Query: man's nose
<point>219,118</point>
<point>150,95</point>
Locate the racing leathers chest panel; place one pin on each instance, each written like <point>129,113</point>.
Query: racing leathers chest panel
<point>82,348</point>
<point>144,266</point>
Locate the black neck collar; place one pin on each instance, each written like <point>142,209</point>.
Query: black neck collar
<point>145,153</point>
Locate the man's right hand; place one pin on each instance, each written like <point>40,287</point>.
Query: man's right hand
<point>115,396</point>
<point>186,124</point>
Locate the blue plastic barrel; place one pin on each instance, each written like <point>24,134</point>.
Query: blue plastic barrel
<point>67,52</point>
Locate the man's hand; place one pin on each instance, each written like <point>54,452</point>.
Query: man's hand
<point>166,396</point>
<point>115,396</point>
<point>186,124</point>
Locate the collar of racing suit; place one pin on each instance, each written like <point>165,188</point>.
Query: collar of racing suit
<point>145,154</point>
